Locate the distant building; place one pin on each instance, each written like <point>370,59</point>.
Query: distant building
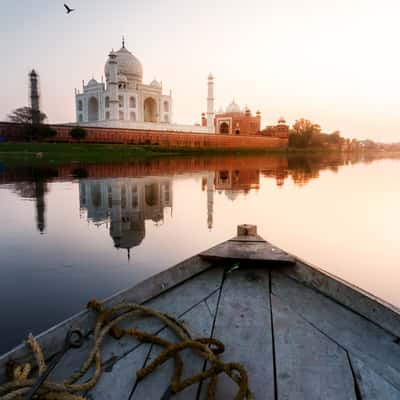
<point>280,130</point>
<point>124,101</point>
<point>124,96</point>
<point>235,121</point>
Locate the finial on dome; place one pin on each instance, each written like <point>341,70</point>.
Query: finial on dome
<point>123,42</point>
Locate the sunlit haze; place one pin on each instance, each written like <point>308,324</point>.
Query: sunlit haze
<point>335,63</point>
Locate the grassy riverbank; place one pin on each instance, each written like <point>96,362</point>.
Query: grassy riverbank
<point>90,153</point>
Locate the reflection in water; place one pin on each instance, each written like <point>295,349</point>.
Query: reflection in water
<point>232,183</point>
<point>35,186</point>
<point>125,204</point>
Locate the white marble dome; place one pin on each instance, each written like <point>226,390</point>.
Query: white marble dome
<point>233,107</point>
<point>128,65</point>
<point>92,82</point>
<point>155,83</point>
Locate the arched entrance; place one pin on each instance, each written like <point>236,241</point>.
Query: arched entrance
<point>150,110</point>
<point>224,128</point>
<point>152,195</point>
<point>93,109</point>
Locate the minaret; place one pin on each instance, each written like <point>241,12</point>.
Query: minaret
<point>210,104</point>
<point>35,97</point>
<point>113,87</point>
<point>210,199</point>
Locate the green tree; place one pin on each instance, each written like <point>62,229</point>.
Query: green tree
<point>303,133</point>
<point>78,133</point>
<point>24,115</point>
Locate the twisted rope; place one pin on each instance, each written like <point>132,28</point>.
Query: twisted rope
<point>107,324</point>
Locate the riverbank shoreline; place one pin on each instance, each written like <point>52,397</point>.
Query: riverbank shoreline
<point>90,153</point>
<point>37,153</point>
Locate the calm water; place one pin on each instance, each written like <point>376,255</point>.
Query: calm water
<point>71,233</point>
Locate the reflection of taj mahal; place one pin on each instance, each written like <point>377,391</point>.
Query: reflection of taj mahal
<point>126,203</point>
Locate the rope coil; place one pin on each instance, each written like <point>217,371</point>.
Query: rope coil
<point>107,323</point>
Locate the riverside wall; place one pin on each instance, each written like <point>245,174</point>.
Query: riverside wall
<point>15,132</point>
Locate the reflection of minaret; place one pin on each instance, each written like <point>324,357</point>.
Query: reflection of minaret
<point>40,190</point>
<point>210,199</point>
<point>116,215</point>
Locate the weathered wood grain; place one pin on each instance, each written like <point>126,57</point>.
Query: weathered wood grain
<point>359,336</point>
<point>117,383</point>
<point>309,366</point>
<point>53,339</point>
<point>241,238</point>
<point>243,323</point>
<point>371,385</point>
<point>383,314</point>
<point>249,251</point>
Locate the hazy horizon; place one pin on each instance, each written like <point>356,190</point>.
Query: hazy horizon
<point>334,64</point>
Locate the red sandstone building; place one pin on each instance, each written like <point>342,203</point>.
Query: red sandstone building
<point>280,130</point>
<point>234,121</point>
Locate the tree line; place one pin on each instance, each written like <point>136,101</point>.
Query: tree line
<point>40,131</point>
<point>305,134</point>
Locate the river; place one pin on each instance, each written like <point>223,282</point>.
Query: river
<point>73,232</point>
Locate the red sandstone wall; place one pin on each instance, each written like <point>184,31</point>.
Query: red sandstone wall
<point>165,139</point>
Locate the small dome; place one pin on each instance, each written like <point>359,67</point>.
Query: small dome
<point>155,83</point>
<point>128,65</point>
<point>210,77</point>
<point>221,110</point>
<point>233,107</point>
<point>93,82</point>
<point>131,236</point>
<point>281,120</point>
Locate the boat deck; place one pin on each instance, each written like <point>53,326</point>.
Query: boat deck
<point>291,327</point>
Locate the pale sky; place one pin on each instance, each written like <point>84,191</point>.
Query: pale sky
<point>334,62</point>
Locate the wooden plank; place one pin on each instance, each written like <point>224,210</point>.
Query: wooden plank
<point>53,339</point>
<point>309,366</point>
<point>117,383</point>
<point>249,251</point>
<point>359,336</point>
<point>371,385</point>
<point>243,323</point>
<point>383,314</point>
<point>200,322</point>
<point>175,302</point>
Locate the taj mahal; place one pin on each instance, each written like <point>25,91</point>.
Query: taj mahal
<point>124,101</point>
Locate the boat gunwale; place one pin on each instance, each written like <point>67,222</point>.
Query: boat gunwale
<point>362,302</point>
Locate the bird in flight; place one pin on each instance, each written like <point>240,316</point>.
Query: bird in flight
<point>69,10</point>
